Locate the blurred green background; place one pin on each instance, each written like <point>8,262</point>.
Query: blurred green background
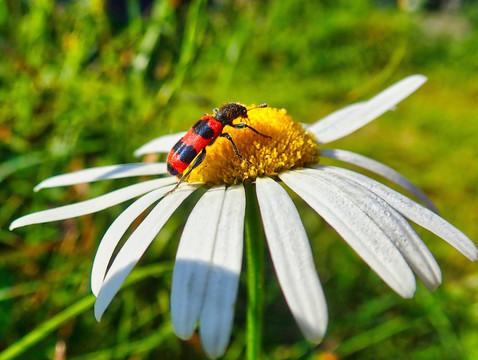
<point>85,83</point>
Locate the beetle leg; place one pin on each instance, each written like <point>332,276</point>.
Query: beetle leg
<point>196,163</point>
<point>244,125</point>
<point>228,137</point>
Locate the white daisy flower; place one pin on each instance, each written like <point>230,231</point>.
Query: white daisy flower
<point>369,216</point>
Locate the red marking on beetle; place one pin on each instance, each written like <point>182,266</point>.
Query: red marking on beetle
<point>193,145</point>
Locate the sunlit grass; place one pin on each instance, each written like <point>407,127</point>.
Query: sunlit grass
<point>82,85</point>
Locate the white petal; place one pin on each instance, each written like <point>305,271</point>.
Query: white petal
<point>193,260</point>
<point>292,258</point>
<point>382,170</point>
<point>393,224</point>
<point>415,212</point>
<point>136,245</point>
<point>336,127</point>
<point>115,232</point>
<point>217,314</point>
<point>92,205</point>
<point>323,125</point>
<point>162,144</point>
<point>103,173</point>
<point>356,227</point>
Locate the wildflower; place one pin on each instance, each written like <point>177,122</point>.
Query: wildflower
<point>369,216</point>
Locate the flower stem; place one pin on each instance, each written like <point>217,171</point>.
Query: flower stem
<point>254,241</point>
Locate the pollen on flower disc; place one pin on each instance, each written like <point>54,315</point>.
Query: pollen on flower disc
<point>289,146</point>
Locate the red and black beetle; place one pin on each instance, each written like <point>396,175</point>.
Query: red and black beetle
<point>204,133</point>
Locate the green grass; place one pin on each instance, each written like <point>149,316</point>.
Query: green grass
<point>85,85</point>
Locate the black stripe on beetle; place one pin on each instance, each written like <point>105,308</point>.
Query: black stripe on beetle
<point>172,170</point>
<point>176,147</point>
<point>203,129</point>
<point>187,154</point>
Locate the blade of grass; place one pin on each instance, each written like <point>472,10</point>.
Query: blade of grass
<point>130,349</point>
<point>17,163</point>
<point>77,308</point>
<point>439,319</point>
<point>374,336</point>
<point>192,38</point>
<point>46,328</point>
<point>11,292</point>
<point>161,11</point>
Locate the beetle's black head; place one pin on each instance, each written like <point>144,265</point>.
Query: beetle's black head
<point>229,112</point>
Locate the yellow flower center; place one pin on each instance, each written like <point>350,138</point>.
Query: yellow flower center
<point>289,146</point>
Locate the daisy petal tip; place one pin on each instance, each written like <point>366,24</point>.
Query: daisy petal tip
<point>95,288</point>
<point>101,304</point>
<point>313,330</point>
<point>408,293</point>
<point>213,351</point>
<point>316,335</point>
<point>474,256</point>
<point>433,287</point>
<point>470,252</point>
<point>138,153</point>
<point>419,78</point>
<point>432,282</point>
<point>405,288</point>
<point>98,312</point>
<point>316,340</point>
<point>16,224</point>
<point>182,333</point>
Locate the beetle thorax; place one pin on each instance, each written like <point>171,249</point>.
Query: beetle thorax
<point>229,112</point>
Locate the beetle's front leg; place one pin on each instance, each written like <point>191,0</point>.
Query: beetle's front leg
<point>244,125</point>
<point>228,137</point>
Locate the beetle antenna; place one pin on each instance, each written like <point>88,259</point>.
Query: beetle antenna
<point>258,107</point>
